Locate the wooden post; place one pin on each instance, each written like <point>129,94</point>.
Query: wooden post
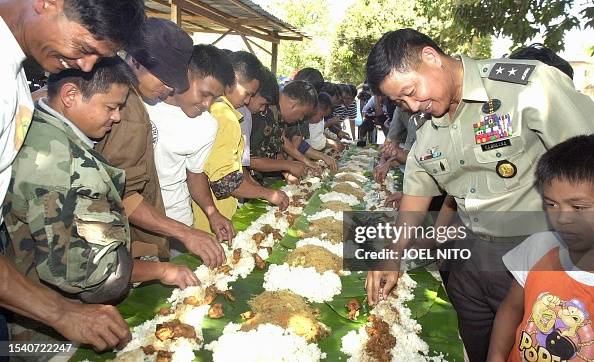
<point>274,61</point>
<point>176,13</point>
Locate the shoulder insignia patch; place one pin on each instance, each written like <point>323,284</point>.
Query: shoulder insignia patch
<point>419,119</point>
<point>512,73</point>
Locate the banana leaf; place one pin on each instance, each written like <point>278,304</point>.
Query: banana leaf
<point>430,306</point>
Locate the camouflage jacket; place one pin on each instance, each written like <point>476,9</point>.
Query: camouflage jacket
<point>64,210</point>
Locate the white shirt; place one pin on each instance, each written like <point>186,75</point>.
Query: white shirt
<point>316,139</point>
<point>521,259</point>
<point>181,143</point>
<point>246,131</point>
<point>16,105</point>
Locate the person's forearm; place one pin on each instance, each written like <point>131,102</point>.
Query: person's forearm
<point>401,155</point>
<point>269,164</point>
<point>411,213</point>
<point>509,316</point>
<point>200,192</point>
<point>144,271</point>
<point>148,218</point>
<point>292,150</point>
<point>250,189</point>
<point>314,155</point>
<point>25,297</point>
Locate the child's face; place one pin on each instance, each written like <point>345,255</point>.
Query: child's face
<point>96,115</point>
<point>570,209</point>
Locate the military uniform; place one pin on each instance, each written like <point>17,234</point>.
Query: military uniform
<point>64,213</point>
<point>510,113</point>
<point>266,139</point>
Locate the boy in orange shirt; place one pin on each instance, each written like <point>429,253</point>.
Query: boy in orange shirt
<point>547,314</point>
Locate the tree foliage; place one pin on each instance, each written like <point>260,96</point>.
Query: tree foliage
<point>367,20</point>
<point>521,20</point>
<point>311,17</point>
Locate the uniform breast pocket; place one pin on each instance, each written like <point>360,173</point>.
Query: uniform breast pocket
<point>504,163</point>
<point>439,169</point>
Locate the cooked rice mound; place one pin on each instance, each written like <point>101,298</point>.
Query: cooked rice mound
<point>287,310</point>
<point>336,206</point>
<point>327,228</point>
<point>315,256</point>
<point>345,188</point>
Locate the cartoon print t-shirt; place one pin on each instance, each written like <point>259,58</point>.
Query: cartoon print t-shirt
<point>558,303</point>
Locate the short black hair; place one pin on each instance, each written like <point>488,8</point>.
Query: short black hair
<point>302,92</point>
<point>396,50</point>
<point>324,101</point>
<point>331,89</point>
<point>353,90</point>
<point>269,87</point>
<point>210,61</point>
<point>312,76</point>
<point>345,90</point>
<point>105,73</point>
<point>571,161</point>
<point>539,52</point>
<point>246,66</point>
<point>120,22</point>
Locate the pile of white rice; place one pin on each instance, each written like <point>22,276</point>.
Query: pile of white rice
<point>268,342</point>
<point>306,282</point>
<point>338,196</point>
<point>409,346</point>
<point>338,215</point>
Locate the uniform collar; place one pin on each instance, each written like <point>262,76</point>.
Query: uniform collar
<point>42,103</point>
<point>473,89</point>
<point>235,111</point>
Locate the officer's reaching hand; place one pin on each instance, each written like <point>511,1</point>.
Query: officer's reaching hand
<point>393,200</point>
<point>379,284</point>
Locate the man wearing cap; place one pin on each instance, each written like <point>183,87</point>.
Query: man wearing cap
<point>491,121</point>
<point>162,69</point>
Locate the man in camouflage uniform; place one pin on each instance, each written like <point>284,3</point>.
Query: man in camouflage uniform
<point>63,210</point>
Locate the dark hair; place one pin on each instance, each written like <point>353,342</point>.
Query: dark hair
<point>269,87</point>
<point>301,91</point>
<point>539,52</point>
<point>331,89</point>
<point>120,22</point>
<point>324,101</point>
<point>210,61</point>
<point>571,161</point>
<point>246,66</point>
<point>396,50</point>
<point>345,90</point>
<point>105,73</point>
<point>311,75</point>
<point>353,90</point>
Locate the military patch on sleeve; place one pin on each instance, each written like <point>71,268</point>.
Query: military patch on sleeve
<point>512,73</point>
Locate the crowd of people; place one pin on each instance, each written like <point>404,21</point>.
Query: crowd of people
<point>126,160</point>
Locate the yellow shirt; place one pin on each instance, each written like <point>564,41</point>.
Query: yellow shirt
<point>224,159</point>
